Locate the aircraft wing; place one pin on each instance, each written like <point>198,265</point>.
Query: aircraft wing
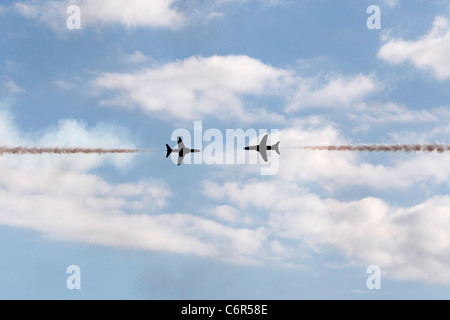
<point>263,153</point>
<point>181,156</point>
<point>263,144</point>
<point>181,145</point>
<point>263,148</point>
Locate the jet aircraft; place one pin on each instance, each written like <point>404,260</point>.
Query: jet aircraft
<point>182,151</point>
<point>262,148</point>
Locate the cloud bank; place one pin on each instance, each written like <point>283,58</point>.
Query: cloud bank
<point>195,87</point>
<point>219,86</point>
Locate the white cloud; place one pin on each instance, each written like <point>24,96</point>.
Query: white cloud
<point>135,58</point>
<point>439,133</point>
<point>224,213</point>
<point>84,208</point>
<point>213,15</point>
<point>74,206</point>
<point>204,11</point>
<point>10,66</point>
<point>195,87</point>
<point>390,112</point>
<point>406,242</point>
<point>428,53</point>
<point>171,14</point>
<point>335,170</point>
<point>66,202</point>
<point>392,3</point>
<point>9,88</point>
<point>128,13</point>
<point>132,13</point>
<point>59,197</point>
<point>73,134</point>
<point>52,13</point>
<point>64,84</point>
<point>216,86</point>
<point>335,91</point>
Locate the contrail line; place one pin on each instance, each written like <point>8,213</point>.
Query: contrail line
<point>63,151</point>
<point>381,148</point>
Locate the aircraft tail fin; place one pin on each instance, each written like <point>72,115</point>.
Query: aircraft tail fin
<point>169,150</point>
<point>277,147</point>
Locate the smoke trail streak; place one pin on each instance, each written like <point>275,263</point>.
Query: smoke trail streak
<point>63,151</point>
<point>381,148</point>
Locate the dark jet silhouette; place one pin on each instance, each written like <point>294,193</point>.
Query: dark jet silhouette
<point>182,151</point>
<point>262,148</point>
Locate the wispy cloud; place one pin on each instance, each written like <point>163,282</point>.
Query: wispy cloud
<point>430,52</point>
<point>136,57</point>
<point>100,13</point>
<point>383,113</point>
<point>392,3</point>
<point>335,91</point>
<point>8,87</point>
<point>207,10</point>
<point>51,13</point>
<point>171,14</point>
<point>64,84</point>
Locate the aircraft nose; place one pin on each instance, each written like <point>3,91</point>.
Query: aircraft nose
<point>247,148</point>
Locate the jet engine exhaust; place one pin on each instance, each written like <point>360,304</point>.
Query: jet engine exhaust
<point>63,151</point>
<point>381,148</point>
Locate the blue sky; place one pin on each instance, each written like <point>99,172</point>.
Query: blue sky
<point>140,227</point>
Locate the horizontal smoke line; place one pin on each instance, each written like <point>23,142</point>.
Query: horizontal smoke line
<point>98,151</point>
<point>381,148</point>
